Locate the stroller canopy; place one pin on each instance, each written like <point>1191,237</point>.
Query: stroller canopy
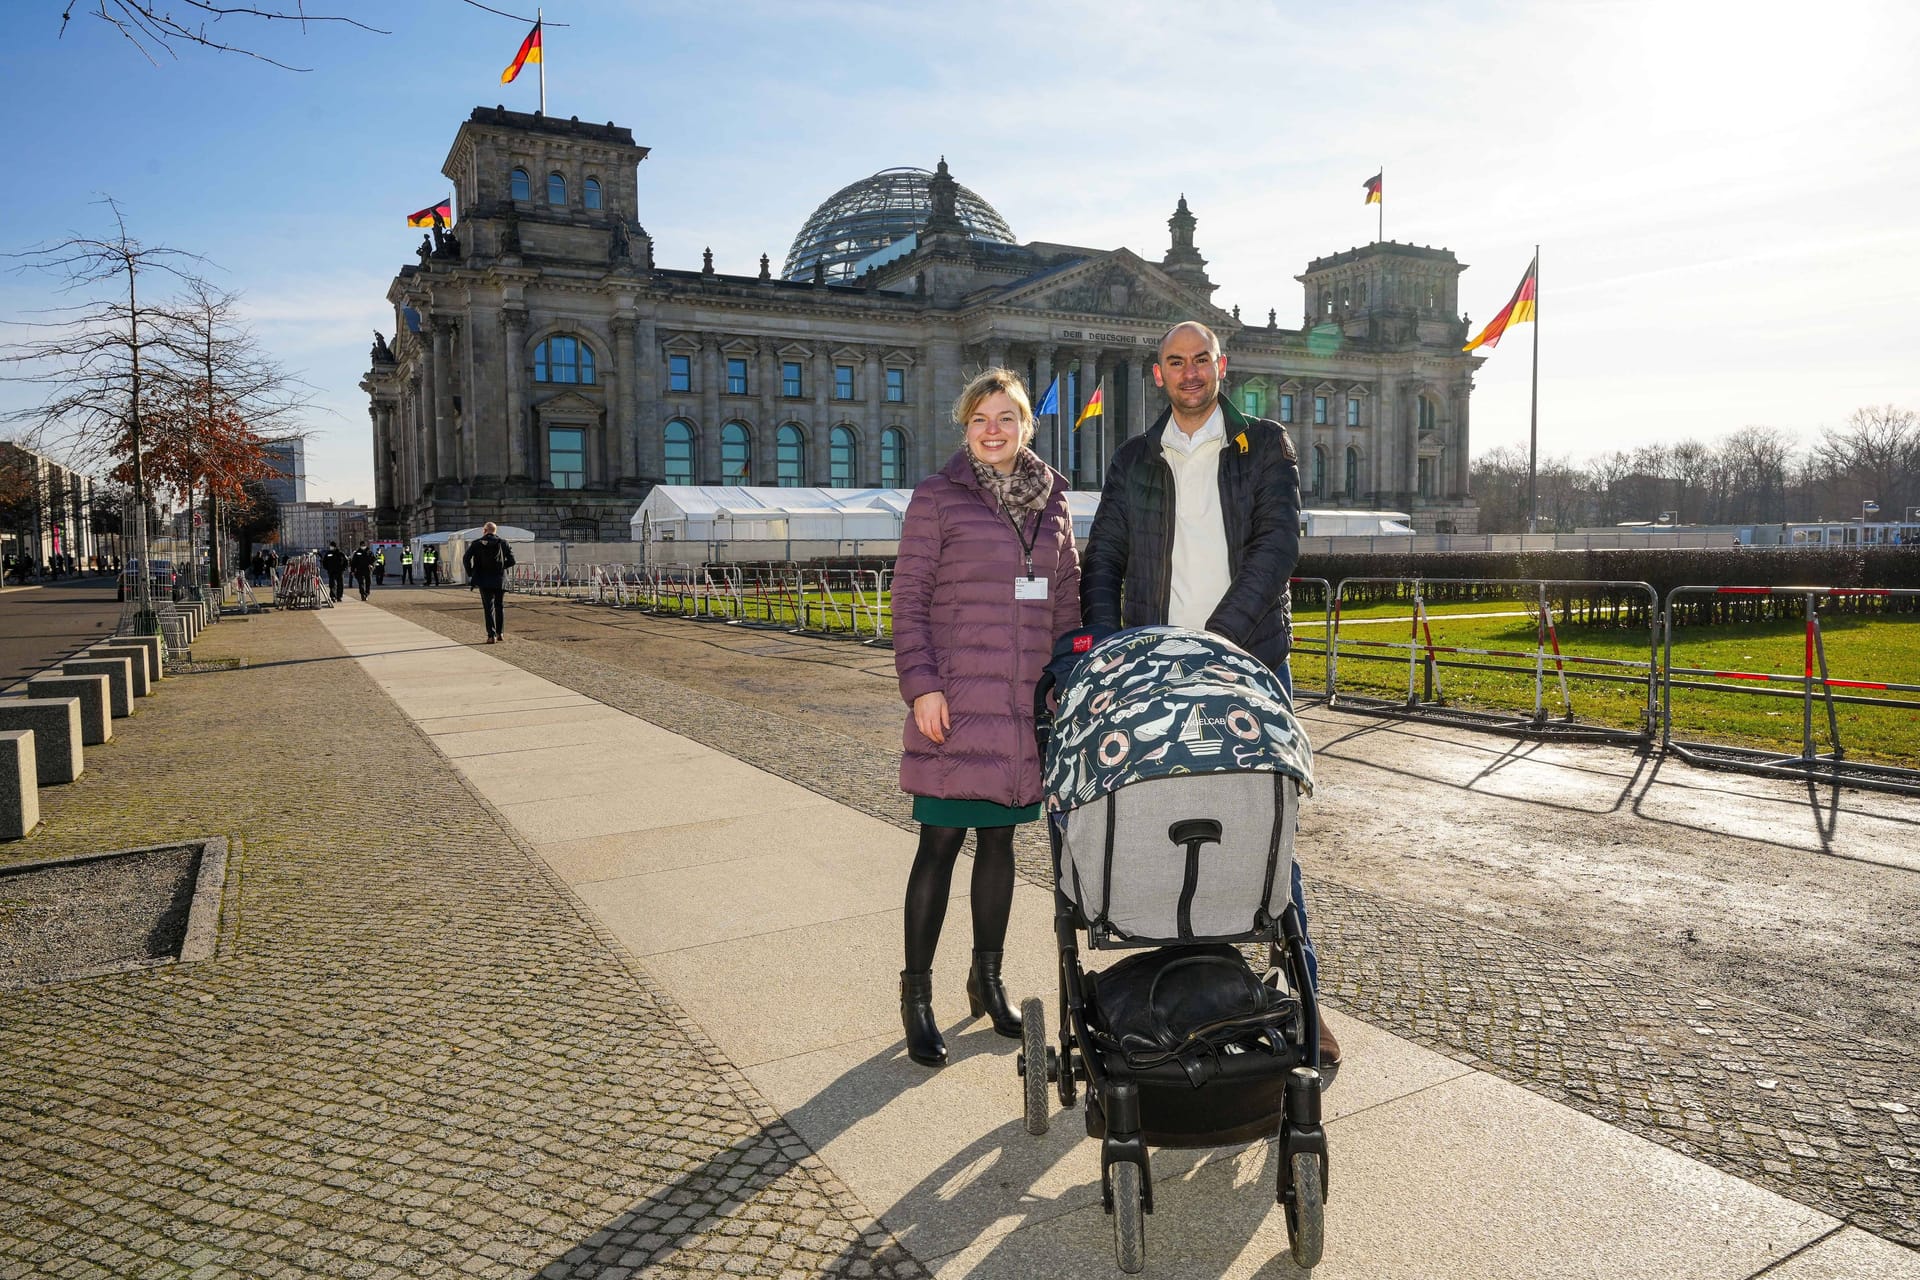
<point>1153,702</point>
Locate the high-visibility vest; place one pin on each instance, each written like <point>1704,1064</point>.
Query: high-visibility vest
<point>431,555</point>
<point>406,557</point>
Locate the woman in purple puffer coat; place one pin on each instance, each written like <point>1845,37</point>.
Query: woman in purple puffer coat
<point>986,578</point>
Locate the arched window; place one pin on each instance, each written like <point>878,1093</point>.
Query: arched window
<point>790,456</point>
<point>678,467</point>
<point>736,454</point>
<point>893,457</point>
<point>522,188</point>
<point>1319,469</point>
<point>556,189</point>
<point>1427,414</point>
<point>563,359</point>
<point>841,471</point>
<point>1353,472</point>
<point>590,193</point>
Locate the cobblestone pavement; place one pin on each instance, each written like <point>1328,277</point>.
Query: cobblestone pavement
<point>1826,1117</point>
<point>414,1053</point>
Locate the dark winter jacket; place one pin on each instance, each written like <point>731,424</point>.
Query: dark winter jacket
<point>958,630</point>
<point>487,561</point>
<point>361,562</point>
<point>1129,551</point>
<point>334,561</point>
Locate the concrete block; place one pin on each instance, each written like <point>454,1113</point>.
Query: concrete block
<point>55,723</point>
<point>19,787</point>
<point>119,674</point>
<point>96,706</point>
<point>151,644</point>
<point>174,629</point>
<point>136,656</point>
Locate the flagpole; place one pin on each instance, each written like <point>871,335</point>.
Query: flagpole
<point>540,22</point>
<point>1380,232</point>
<point>1533,423</point>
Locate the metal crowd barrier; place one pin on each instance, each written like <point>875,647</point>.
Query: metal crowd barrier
<point>1303,692</point>
<point>1820,694</point>
<point>1428,661</point>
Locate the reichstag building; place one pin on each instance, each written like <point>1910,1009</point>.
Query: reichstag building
<point>546,371</point>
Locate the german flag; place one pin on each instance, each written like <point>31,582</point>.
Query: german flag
<point>529,52</point>
<point>1373,187</point>
<point>424,218</point>
<point>1518,311</point>
<point>1096,406</point>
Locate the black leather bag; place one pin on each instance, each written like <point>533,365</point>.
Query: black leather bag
<point>1186,1005</point>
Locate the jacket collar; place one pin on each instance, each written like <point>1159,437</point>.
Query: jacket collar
<point>1232,419</point>
<point>959,469</point>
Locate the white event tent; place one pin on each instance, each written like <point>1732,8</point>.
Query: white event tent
<point>737,513</point>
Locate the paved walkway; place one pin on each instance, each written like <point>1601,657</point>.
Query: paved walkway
<point>770,916</point>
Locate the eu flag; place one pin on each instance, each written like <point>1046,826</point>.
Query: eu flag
<point>1050,402</point>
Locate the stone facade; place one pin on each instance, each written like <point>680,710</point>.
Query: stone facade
<point>545,372</point>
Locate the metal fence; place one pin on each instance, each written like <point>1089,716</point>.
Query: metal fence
<point>1880,711</point>
<point>832,602</point>
<point>1300,659</point>
<point>1513,688</point>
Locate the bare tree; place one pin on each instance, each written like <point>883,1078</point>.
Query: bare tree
<point>1609,478</point>
<point>1875,457</point>
<point>156,29</point>
<point>100,360</point>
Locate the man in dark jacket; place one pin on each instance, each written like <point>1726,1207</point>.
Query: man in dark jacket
<point>1199,526</point>
<point>334,561</point>
<point>486,563</point>
<point>362,565</point>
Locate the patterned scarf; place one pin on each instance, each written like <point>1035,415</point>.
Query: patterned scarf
<point>1024,489</point>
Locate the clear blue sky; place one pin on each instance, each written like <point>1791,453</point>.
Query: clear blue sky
<point>1725,192</point>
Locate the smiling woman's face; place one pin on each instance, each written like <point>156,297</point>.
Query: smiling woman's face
<point>994,430</point>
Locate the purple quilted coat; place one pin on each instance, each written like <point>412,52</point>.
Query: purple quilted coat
<point>958,630</point>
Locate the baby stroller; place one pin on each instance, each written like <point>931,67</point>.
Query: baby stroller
<point>1173,767</point>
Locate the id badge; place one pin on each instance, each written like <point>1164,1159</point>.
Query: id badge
<point>1030,588</point>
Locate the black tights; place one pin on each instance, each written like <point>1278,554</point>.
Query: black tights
<point>932,879</point>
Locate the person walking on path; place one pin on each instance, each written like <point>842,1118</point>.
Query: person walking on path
<point>406,567</point>
<point>431,557</point>
<point>987,576</point>
<point>486,563</point>
<point>334,561</point>
<point>1199,526</point>
<point>362,566</point>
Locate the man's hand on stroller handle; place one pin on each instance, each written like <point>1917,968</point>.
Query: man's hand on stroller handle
<point>930,716</point>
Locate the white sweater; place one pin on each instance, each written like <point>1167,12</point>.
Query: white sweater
<point>1199,570</point>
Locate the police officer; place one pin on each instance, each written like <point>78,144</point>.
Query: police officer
<point>406,567</point>
<point>432,557</point>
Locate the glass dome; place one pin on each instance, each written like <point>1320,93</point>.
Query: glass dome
<point>867,216</point>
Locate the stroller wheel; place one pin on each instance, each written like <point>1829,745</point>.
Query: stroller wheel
<point>1033,1062</point>
<point>1129,1219</point>
<point>1306,1212</point>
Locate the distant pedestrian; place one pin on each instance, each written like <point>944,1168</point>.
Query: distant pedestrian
<point>406,567</point>
<point>486,563</point>
<point>380,569</point>
<point>362,566</point>
<point>431,558</point>
<point>334,561</point>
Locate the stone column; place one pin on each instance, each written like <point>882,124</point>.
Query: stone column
<point>1087,446</point>
<point>876,420</point>
<point>996,353</point>
<point>623,456</point>
<point>382,414</point>
<point>1410,464</point>
<point>1043,430</point>
<point>513,326</point>
<point>708,468</point>
<point>814,461</point>
<point>1462,472</point>
<point>1337,454</point>
<point>446,449</point>
<point>650,420</point>
<point>1140,387</point>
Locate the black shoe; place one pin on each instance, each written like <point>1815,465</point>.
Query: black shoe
<point>924,1044</point>
<point>1329,1057</point>
<point>986,995</point>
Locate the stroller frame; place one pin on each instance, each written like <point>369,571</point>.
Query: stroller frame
<point>1115,1112</point>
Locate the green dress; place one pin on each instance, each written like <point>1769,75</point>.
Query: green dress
<point>932,811</point>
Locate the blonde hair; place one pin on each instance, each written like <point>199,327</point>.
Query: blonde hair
<point>490,527</point>
<point>984,384</point>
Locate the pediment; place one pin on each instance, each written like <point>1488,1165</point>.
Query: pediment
<point>568,402</point>
<point>846,355</point>
<point>1116,286</point>
<point>739,347</point>
<point>794,351</point>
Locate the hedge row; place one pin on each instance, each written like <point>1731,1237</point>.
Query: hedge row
<point>1662,569</point>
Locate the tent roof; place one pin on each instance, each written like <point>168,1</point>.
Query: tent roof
<point>511,532</point>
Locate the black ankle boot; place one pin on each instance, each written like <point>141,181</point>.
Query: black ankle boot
<point>986,995</point>
<point>924,1044</point>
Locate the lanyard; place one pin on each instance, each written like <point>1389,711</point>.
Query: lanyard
<point>1026,543</point>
